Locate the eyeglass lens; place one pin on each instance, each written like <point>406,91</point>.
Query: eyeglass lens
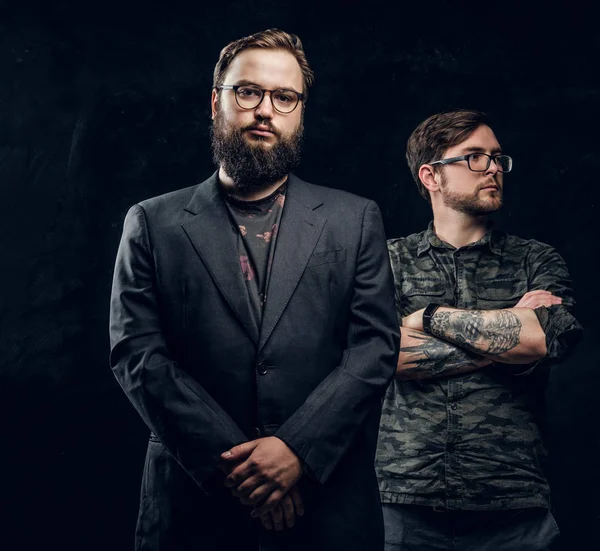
<point>285,101</point>
<point>479,162</point>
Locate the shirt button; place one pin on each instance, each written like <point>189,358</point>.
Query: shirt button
<point>453,406</point>
<point>262,369</point>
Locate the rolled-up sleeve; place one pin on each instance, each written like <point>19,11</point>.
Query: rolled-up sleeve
<point>548,271</point>
<point>562,331</point>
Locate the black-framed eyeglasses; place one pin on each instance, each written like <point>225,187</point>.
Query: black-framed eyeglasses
<point>248,96</point>
<point>480,162</point>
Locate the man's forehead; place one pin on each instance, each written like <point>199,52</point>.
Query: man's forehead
<point>266,68</point>
<point>482,138</point>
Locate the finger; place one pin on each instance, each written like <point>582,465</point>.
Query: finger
<point>241,451</point>
<point>277,517</point>
<point>530,304</point>
<point>551,301</point>
<point>272,500</point>
<point>542,301</point>
<point>287,506</point>
<point>267,521</point>
<point>536,302</point>
<point>240,473</point>
<point>545,304</point>
<point>297,500</point>
<point>258,495</point>
<point>247,486</point>
<point>533,295</point>
<point>545,296</point>
<point>228,468</point>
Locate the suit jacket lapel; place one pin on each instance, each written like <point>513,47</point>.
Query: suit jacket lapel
<point>299,232</point>
<point>214,239</point>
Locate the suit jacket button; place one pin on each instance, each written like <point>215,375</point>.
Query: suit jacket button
<point>262,369</point>
<point>256,432</point>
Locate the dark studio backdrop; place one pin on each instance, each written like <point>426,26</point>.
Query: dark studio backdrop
<point>103,104</point>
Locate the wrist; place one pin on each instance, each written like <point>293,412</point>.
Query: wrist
<point>428,315</point>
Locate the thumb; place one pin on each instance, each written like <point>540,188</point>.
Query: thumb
<point>241,451</point>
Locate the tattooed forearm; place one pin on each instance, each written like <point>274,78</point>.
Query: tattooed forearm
<point>491,333</point>
<point>440,322</point>
<point>426,357</point>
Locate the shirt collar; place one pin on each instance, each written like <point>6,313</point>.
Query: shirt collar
<point>493,238</point>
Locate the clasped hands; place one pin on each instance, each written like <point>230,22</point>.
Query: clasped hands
<point>263,473</point>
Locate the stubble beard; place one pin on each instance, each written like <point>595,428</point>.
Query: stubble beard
<point>254,166</point>
<point>471,203</point>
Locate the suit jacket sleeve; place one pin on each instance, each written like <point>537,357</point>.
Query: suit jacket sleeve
<point>191,425</point>
<point>323,428</point>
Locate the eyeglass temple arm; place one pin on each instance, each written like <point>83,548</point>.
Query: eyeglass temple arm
<point>450,160</point>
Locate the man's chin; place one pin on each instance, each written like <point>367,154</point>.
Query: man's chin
<point>477,208</point>
<point>491,200</point>
<point>490,206</point>
<point>495,202</point>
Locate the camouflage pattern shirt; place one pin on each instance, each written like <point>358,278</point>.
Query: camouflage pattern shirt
<point>472,441</point>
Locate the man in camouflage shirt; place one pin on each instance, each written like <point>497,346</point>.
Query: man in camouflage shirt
<point>460,454</point>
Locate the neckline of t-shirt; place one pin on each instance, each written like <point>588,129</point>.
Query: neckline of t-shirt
<point>257,202</point>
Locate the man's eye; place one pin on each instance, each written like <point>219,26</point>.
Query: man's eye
<point>476,157</point>
<point>248,92</point>
<point>284,97</point>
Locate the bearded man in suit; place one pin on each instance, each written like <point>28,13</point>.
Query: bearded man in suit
<point>253,329</point>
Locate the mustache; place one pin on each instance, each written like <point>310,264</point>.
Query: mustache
<point>491,181</point>
<point>255,126</point>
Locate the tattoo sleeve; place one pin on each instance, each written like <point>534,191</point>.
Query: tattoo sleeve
<point>490,333</point>
<point>426,357</point>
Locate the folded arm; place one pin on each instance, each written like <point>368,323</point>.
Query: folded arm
<point>540,328</point>
<point>518,335</point>
<point>424,356</point>
<point>511,335</point>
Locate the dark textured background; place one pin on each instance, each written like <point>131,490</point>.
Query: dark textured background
<point>106,103</point>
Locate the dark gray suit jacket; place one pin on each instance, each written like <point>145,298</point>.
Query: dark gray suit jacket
<point>204,377</point>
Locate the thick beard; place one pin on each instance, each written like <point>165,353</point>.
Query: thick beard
<point>470,204</point>
<point>252,166</point>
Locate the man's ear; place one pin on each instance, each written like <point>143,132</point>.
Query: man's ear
<point>214,100</point>
<point>428,178</point>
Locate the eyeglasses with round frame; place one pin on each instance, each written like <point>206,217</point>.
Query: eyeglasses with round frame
<point>503,162</point>
<point>247,96</point>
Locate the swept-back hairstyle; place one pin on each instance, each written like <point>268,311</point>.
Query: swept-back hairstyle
<point>272,39</point>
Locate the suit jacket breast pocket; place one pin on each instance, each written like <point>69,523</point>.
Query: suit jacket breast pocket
<point>331,256</point>
<point>323,277</point>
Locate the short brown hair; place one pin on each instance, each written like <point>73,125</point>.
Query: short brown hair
<point>272,39</point>
<point>435,135</point>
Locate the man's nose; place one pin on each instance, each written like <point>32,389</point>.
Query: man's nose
<point>265,108</point>
<point>493,168</point>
